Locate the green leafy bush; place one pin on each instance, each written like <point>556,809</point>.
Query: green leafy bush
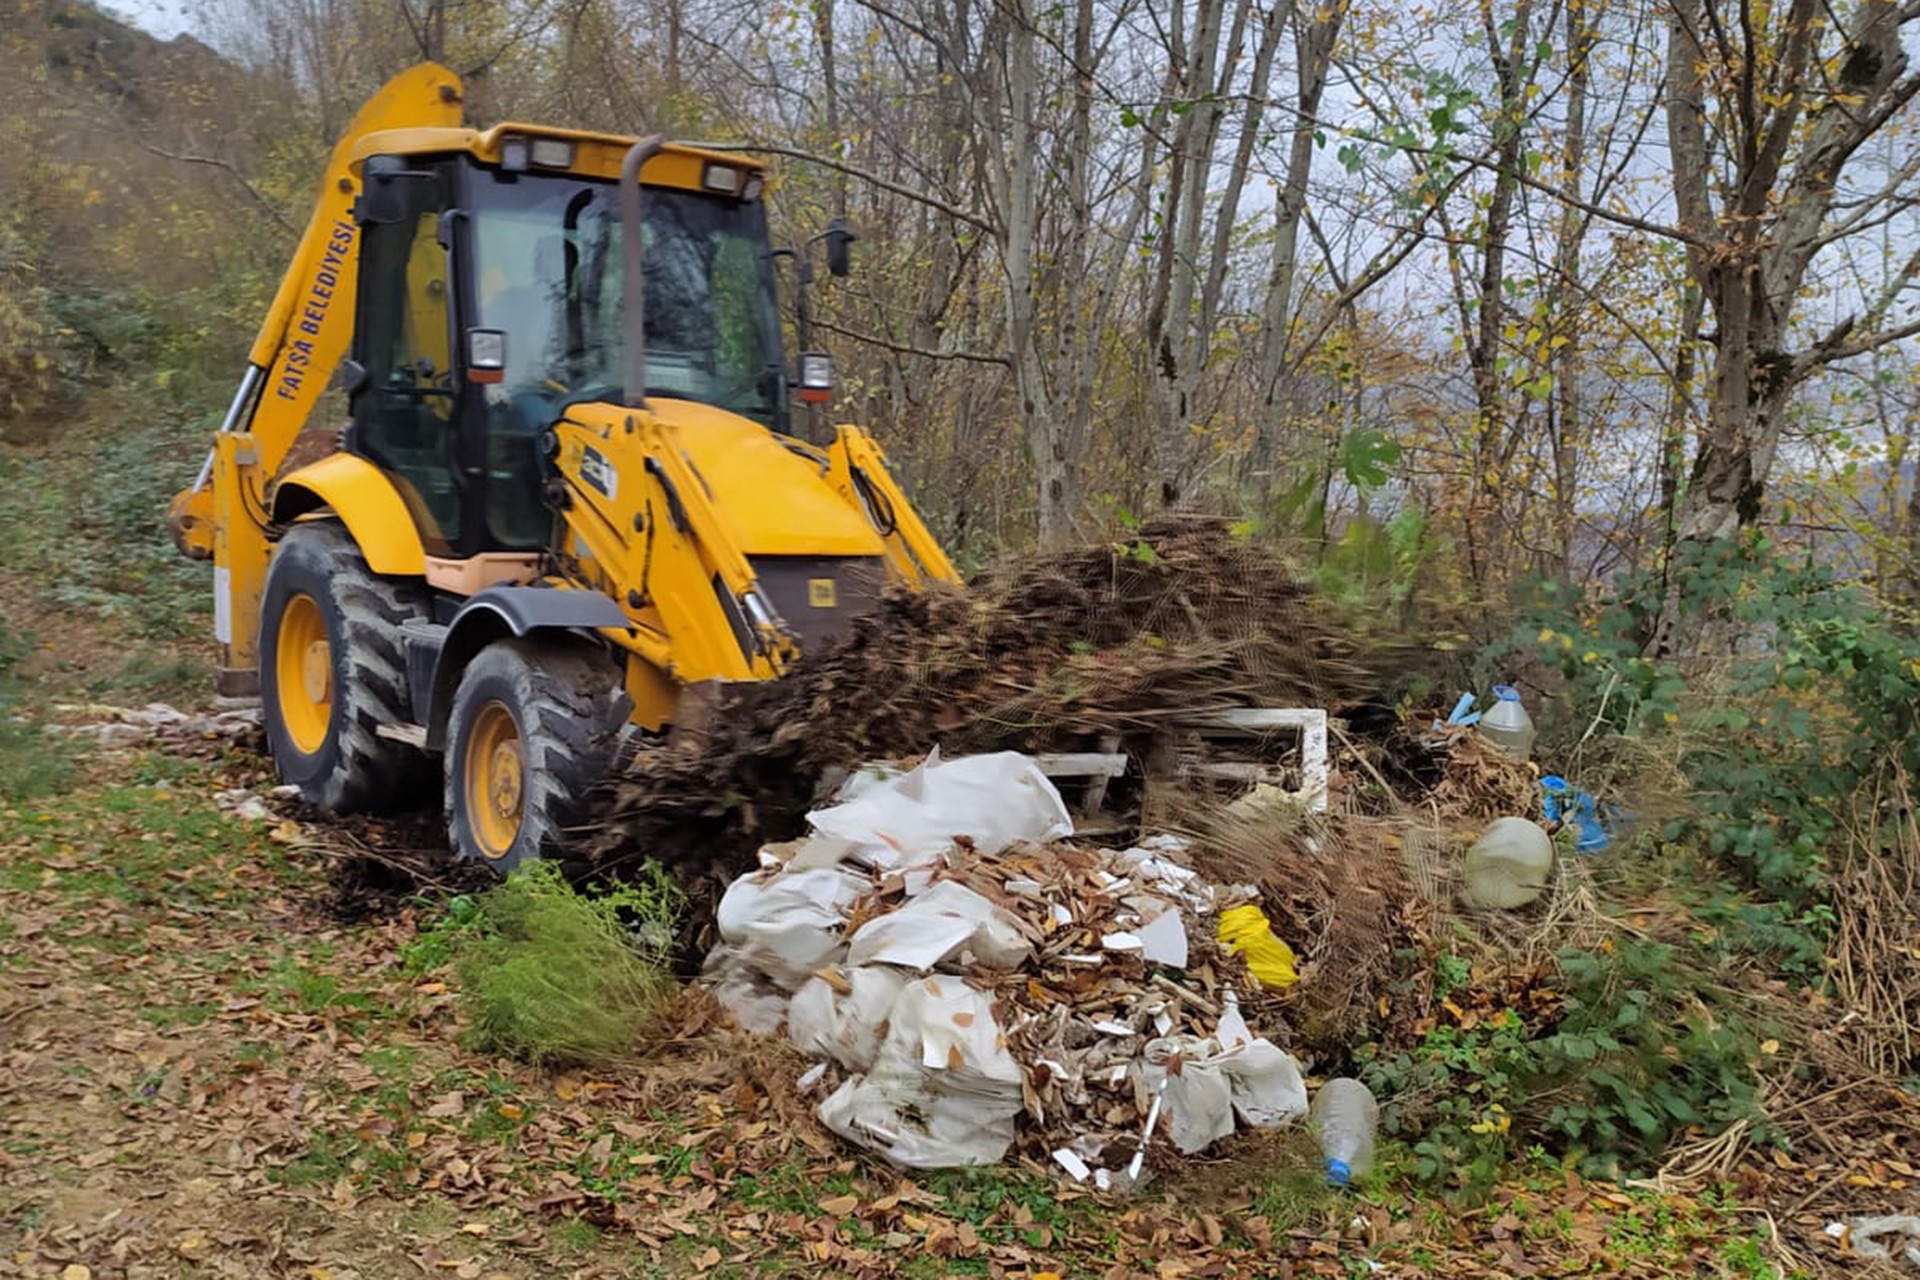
<point>556,976</point>
<point>1820,693</point>
<point>1633,1059</point>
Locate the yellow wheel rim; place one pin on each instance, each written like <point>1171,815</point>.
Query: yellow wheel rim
<point>303,664</point>
<point>496,780</point>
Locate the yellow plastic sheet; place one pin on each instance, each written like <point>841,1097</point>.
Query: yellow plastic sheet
<point>1247,930</point>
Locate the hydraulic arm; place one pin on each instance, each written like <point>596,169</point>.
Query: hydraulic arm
<point>226,513</point>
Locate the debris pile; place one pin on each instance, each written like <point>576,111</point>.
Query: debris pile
<point>970,992</point>
<point>187,733</point>
<point>1099,648</point>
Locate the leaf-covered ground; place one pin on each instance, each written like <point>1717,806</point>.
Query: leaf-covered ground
<point>203,1073</point>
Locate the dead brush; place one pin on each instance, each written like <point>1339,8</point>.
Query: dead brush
<point>1837,1104</point>
<point>1338,893</point>
<point>1874,959</point>
<point>1047,653</point>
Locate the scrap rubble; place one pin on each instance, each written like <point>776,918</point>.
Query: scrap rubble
<point>971,978</point>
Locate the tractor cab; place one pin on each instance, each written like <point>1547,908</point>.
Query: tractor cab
<point>491,302</point>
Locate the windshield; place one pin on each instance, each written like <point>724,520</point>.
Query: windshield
<point>547,251</point>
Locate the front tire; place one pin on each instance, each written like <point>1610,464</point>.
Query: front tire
<point>534,727</point>
<point>333,670</point>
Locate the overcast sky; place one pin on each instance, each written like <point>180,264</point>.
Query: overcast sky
<point>164,18</point>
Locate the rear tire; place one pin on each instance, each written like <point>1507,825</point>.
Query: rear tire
<point>534,728</point>
<point>333,669</point>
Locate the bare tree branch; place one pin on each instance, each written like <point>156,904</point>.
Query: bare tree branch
<point>853,171</point>
<point>906,349</point>
<point>214,162</point>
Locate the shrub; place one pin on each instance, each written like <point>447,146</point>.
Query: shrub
<point>555,976</point>
<point>1633,1059</point>
<point>1820,690</point>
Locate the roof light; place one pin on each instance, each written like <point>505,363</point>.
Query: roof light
<point>816,377</point>
<point>513,154</point>
<point>553,153</point>
<point>723,178</point>
<point>486,355</point>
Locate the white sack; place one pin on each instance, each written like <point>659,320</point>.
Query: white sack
<point>756,1004</point>
<point>1265,1084</point>
<point>943,1090</point>
<point>996,800</point>
<point>1198,1110</point>
<point>788,924</point>
<point>945,920</point>
<point>846,1028</point>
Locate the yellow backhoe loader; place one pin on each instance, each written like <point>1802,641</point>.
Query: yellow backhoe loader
<point>567,495</point>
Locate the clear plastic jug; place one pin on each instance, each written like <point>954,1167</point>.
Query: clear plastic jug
<point>1507,724</point>
<point>1343,1117</point>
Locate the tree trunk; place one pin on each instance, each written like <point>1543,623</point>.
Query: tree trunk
<point>1319,31</point>
<point>1569,368</point>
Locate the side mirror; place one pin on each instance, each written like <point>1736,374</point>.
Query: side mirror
<point>839,247</point>
<point>353,377</point>
<point>392,194</point>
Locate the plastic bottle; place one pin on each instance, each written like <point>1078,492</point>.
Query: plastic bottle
<point>1510,865</point>
<point>1506,724</point>
<point>1343,1116</point>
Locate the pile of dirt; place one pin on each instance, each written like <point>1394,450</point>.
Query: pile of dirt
<point>1049,653</point>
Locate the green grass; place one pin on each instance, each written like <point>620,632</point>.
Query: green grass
<point>1293,1198</point>
<point>34,764</point>
<point>328,1157</point>
<point>166,1017</point>
<point>152,840</point>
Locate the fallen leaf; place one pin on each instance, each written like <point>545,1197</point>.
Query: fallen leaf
<point>840,1206</point>
<point>475,1228</point>
<point>76,1271</point>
